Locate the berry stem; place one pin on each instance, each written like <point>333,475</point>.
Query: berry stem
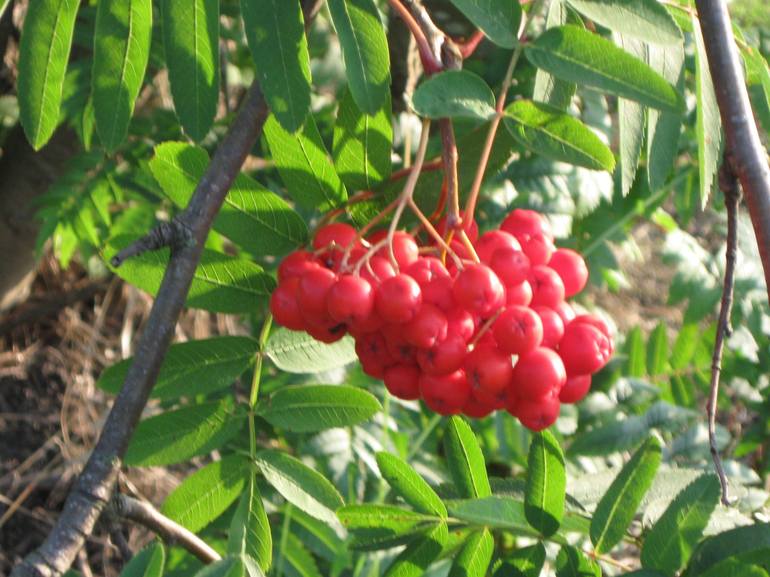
<point>449,156</point>
<point>470,205</point>
<point>434,233</point>
<point>485,327</point>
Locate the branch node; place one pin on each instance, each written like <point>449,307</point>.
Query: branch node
<point>174,234</point>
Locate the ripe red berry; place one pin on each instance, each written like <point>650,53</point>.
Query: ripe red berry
<point>538,414</point>
<point>460,322</point>
<point>575,389</point>
<point>536,373</point>
<point>547,287</point>
<point>445,394</point>
<point>314,286</point>
<point>476,409</point>
<point>518,330</point>
<point>523,223</point>
<point>336,234</point>
<point>488,368</point>
<point>295,264</point>
<point>398,298</point>
<point>405,249</point>
<point>377,270</point>
<point>538,249</point>
<point>519,294</point>
<point>571,268</point>
<point>284,305</point>
<point>511,266</point>
<point>428,327</point>
<point>478,289</point>
<point>403,381</point>
<point>446,357</point>
<point>373,354</point>
<point>495,240</point>
<point>594,321</point>
<point>325,332</point>
<point>566,312</point>
<point>584,349</point>
<point>553,326</point>
<point>434,280</point>
<point>350,299</point>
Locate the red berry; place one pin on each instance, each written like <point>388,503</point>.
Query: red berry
<point>494,240</point>
<point>368,325</point>
<point>571,268</point>
<point>566,312</point>
<point>428,327</point>
<point>296,264</point>
<point>518,330</point>
<point>547,287</point>
<point>511,266</point>
<point>378,270</point>
<point>337,234</point>
<point>478,289</point>
<point>398,298</point>
<point>403,381</point>
<point>326,333</point>
<point>536,373</point>
<point>460,322</point>
<point>520,294</point>
<point>314,286</point>
<point>446,357</point>
<point>584,349</point>
<point>594,321</point>
<point>445,394</point>
<point>553,326</point>
<point>538,249</point>
<point>284,305</point>
<point>575,389</point>
<point>523,223</point>
<point>488,368</point>
<point>538,414</point>
<point>350,299</point>
<point>373,354</point>
<point>476,409</point>
<point>434,280</point>
<point>405,249</point>
<point>398,347</point>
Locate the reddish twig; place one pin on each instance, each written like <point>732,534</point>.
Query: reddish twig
<point>430,62</point>
<point>429,166</point>
<point>468,47</point>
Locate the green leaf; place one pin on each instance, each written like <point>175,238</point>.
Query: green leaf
<point>685,346</point>
<point>644,19</point>
<point>549,89</point>
<point>317,536</point>
<point>750,544</point>
<point>617,507</point>
<point>465,460</point>
<point>309,408</point>
<point>577,55</point>
<point>571,562</point>
<point>250,529</point>
<point>636,365</point>
<point>409,485</point>
<point>296,352</point>
<point>454,94</point>
<point>556,135</point>
<point>300,485</point>
<point>657,351</point>
<point>191,41</point>
<point>207,493</point>
<point>121,51</point>
<point>45,49</point>
<point>375,527</point>
<point>546,484</point>
<point>176,436</point>
<point>275,31</point>
<point>304,165</point>
<point>663,128</point>
<point>362,144</point>
<point>191,368</point>
<point>294,559</point>
<point>708,126</point>
<point>498,19</point>
<point>668,545</point>
<point>492,512</point>
<point>227,567</point>
<point>147,563</point>
<point>473,559</point>
<point>631,120</point>
<point>417,557</point>
<point>364,50</point>
<point>3,5</point>
<point>524,562</point>
<point>222,283</point>
<point>252,216</point>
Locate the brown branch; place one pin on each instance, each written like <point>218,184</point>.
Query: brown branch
<point>93,489</point>
<point>174,234</point>
<point>729,186</point>
<point>172,533</point>
<point>748,156</point>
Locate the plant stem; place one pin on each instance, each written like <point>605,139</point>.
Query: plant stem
<point>420,441</point>
<point>263,336</point>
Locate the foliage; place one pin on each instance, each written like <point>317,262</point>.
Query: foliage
<point>611,121</point>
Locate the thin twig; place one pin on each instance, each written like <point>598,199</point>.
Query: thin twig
<point>174,234</point>
<point>749,158</point>
<point>728,183</point>
<point>171,532</point>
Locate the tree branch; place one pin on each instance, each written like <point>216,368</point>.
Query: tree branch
<point>749,158</point>
<point>148,516</point>
<point>93,489</point>
<point>729,186</point>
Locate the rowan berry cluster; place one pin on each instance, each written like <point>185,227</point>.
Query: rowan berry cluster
<point>465,337</point>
